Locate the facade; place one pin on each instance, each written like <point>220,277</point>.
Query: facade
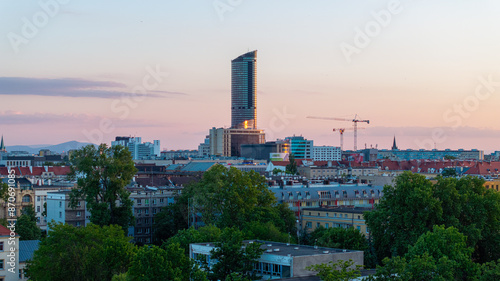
<point>138,149</point>
<point>40,200</point>
<point>147,203</point>
<point>263,151</point>
<point>204,148</point>
<point>492,184</point>
<point>283,260</point>
<point>244,91</point>
<point>300,147</point>
<point>335,217</point>
<point>58,209</point>
<point>327,153</point>
<point>434,154</point>
<point>24,196</point>
<point>176,154</point>
<point>331,172</point>
<point>309,195</point>
<point>228,142</point>
<point>9,269</point>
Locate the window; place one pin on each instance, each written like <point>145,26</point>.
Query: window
<point>154,210</point>
<point>60,204</point>
<point>161,199</point>
<point>146,211</point>
<point>359,227</point>
<point>1,265</point>
<point>38,209</point>
<point>78,213</point>
<point>139,211</point>
<point>308,224</point>
<point>60,214</point>
<point>146,220</point>
<point>139,230</point>
<point>367,230</point>
<point>38,198</point>
<point>345,216</point>
<point>154,201</point>
<point>1,246</point>
<point>44,198</point>
<point>138,201</point>
<point>20,274</point>
<point>147,230</point>
<point>146,202</point>
<point>79,204</point>
<point>26,198</point>
<point>318,224</point>
<point>77,223</point>
<point>326,225</point>
<point>359,217</point>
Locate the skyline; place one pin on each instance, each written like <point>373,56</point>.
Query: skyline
<point>423,81</point>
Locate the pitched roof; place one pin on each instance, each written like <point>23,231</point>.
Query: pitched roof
<point>27,248</point>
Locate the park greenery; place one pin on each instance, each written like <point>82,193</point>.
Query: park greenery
<point>26,225</point>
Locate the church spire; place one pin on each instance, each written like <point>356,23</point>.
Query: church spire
<point>2,146</point>
<point>394,146</point>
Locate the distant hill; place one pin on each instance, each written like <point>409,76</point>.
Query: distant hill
<point>59,148</point>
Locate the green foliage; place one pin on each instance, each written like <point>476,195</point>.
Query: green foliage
<point>26,225</point>
<point>185,237</point>
<point>277,171</point>
<point>490,271</point>
<point>414,205</point>
<point>449,172</point>
<point>102,174</point>
<point>340,238</point>
<point>4,191</point>
<point>450,157</point>
<point>266,231</point>
<point>83,253</point>
<point>337,271</point>
<point>291,168</point>
<point>153,263</point>
<point>438,255</point>
<point>167,223</point>
<point>120,277</point>
<point>232,258</point>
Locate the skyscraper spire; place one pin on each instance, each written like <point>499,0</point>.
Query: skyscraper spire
<point>394,146</point>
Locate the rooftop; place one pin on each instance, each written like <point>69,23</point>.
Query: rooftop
<point>27,248</point>
<point>291,250</point>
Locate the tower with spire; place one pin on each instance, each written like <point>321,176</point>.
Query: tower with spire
<point>394,146</point>
<point>2,146</point>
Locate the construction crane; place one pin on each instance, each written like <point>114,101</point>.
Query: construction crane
<point>341,131</point>
<point>355,121</point>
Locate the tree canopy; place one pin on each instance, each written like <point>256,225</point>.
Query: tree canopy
<point>102,174</point>
<point>26,225</point>
<point>81,253</point>
<point>414,205</point>
<point>337,271</point>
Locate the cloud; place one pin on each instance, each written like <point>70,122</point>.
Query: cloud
<point>81,120</point>
<point>70,87</point>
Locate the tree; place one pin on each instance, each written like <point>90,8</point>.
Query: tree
<point>81,253</point>
<point>490,271</point>
<point>291,168</point>
<point>154,263</point>
<point>102,174</point>
<point>449,172</point>
<point>26,225</point>
<point>340,238</point>
<point>337,271</point>
<point>441,254</point>
<point>4,191</point>
<point>167,223</point>
<point>226,198</point>
<point>232,258</point>
<point>183,238</point>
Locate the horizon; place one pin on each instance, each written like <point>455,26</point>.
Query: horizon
<point>162,71</point>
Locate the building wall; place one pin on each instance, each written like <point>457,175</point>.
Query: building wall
<point>300,147</point>
<point>493,184</point>
<point>326,153</point>
<point>24,196</point>
<point>312,219</point>
<point>4,256</point>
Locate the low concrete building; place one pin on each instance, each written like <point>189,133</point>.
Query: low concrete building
<point>9,254</point>
<point>343,217</point>
<point>281,260</point>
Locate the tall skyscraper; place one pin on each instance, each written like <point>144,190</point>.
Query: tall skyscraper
<point>244,91</point>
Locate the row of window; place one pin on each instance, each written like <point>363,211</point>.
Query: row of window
<point>335,215</point>
<point>146,201</point>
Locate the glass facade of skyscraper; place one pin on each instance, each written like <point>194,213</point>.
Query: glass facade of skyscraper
<point>243,91</point>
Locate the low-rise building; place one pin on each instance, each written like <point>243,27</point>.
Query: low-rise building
<point>26,250</point>
<point>9,255</point>
<point>281,260</point>
<point>344,217</point>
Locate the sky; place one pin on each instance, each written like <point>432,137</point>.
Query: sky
<point>423,71</point>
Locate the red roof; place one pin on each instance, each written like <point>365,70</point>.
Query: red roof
<point>4,231</point>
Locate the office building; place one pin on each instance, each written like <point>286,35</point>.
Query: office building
<point>326,153</point>
<point>227,142</point>
<point>300,147</point>
<point>263,151</point>
<point>244,91</point>
<point>138,149</point>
